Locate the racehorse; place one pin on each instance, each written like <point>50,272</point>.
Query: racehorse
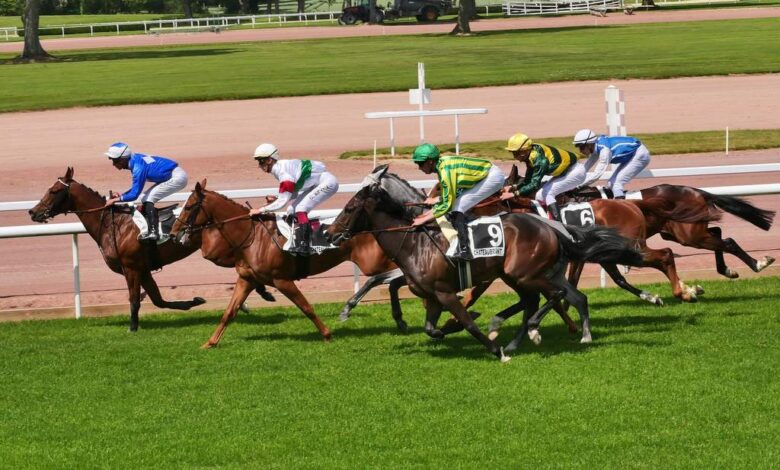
<point>696,234</point>
<point>536,254</point>
<point>117,237</point>
<point>225,226</point>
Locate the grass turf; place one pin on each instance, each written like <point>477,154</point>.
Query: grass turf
<point>667,143</point>
<point>692,385</point>
<point>351,65</point>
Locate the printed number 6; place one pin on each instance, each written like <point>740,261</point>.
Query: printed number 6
<point>495,233</point>
<point>586,218</point>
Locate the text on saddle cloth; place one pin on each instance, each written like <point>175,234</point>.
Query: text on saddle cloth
<point>486,238</point>
<point>578,214</point>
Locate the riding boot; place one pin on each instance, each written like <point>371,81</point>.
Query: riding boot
<point>302,239</point>
<point>555,213</point>
<point>150,213</point>
<point>459,222</point>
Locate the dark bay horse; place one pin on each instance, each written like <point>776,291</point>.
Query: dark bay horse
<point>225,226</point>
<point>698,234</point>
<point>535,261</point>
<point>117,237</point>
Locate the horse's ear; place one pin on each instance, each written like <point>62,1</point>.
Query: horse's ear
<point>380,170</point>
<point>203,183</point>
<point>69,174</point>
<point>198,187</point>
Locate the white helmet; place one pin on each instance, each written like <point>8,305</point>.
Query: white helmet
<point>119,150</point>
<point>266,150</point>
<point>584,136</point>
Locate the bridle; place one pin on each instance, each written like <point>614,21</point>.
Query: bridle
<point>49,208</point>
<point>194,210</point>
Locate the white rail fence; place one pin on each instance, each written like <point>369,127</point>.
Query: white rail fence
<point>76,228</point>
<point>559,8</point>
<point>215,23</point>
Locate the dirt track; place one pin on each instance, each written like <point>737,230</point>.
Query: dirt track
<point>214,139</point>
<point>319,32</point>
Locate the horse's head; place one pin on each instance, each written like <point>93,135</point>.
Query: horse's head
<point>55,201</point>
<point>193,216</point>
<point>381,191</point>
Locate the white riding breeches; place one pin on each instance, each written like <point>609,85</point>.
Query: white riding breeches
<point>492,184</point>
<point>626,171</point>
<point>562,183</point>
<point>311,198</point>
<point>177,182</point>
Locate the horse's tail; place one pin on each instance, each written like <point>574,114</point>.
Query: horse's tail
<point>668,209</point>
<point>761,218</point>
<point>599,244</point>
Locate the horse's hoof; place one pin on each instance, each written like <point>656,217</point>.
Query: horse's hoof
<point>503,357</point>
<point>586,340</point>
<point>326,337</point>
<point>534,336</point>
<point>436,334</point>
<point>198,301</point>
<point>243,308</point>
<point>267,296</point>
<point>402,326</point>
<point>132,329</point>
<point>699,290</point>
<point>492,335</point>
<point>762,264</point>
<point>344,316</point>
<point>730,273</point>
<point>206,345</point>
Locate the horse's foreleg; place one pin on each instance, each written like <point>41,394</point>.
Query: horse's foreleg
<point>452,325</point>
<point>450,301</point>
<point>432,313</point>
<point>621,281</point>
<point>290,290</point>
<point>134,289</point>
<point>150,286</point>
<point>372,282</point>
<point>663,260</point>
<point>395,303</point>
<point>241,291</point>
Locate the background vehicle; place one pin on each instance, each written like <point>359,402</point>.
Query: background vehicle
<point>423,10</point>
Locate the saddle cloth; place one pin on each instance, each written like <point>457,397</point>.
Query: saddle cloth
<point>579,214</point>
<point>486,238</point>
<point>319,241</point>
<point>167,216</point>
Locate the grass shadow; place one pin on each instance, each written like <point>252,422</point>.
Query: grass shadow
<point>160,323</point>
<point>149,53</point>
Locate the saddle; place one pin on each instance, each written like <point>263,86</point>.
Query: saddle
<point>319,238</point>
<point>166,215</point>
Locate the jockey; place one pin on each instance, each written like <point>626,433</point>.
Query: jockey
<point>541,160</point>
<point>307,181</point>
<point>628,153</point>
<point>463,183</point>
<point>168,177</point>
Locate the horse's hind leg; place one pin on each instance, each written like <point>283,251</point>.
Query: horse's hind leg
<point>395,303</point>
<point>616,276</point>
<point>290,290</point>
<point>450,301</point>
<point>150,286</point>
<point>134,289</point>
<point>575,272</point>
<point>663,260</point>
<point>576,298</point>
<point>713,241</point>
<point>241,291</point>
<point>372,282</point>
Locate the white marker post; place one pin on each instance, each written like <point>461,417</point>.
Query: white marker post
<point>616,125</point>
<point>420,96</point>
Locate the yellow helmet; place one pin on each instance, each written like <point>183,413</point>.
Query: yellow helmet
<point>519,142</point>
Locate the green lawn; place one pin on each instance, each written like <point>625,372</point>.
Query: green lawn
<point>264,69</point>
<point>692,386</point>
<point>667,143</point>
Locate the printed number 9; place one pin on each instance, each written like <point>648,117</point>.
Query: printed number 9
<point>495,233</point>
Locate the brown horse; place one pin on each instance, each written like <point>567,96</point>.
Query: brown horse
<point>536,254</point>
<point>697,234</point>
<point>225,225</point>
<point>117,237</point>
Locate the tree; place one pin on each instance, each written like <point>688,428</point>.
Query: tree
<point>186,7</point>
<point>466,12</point>
<point>373,18</point>
<point>33,50</point>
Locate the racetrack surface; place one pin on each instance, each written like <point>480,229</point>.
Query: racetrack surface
<point>215,140</point>
<point>321,32</point>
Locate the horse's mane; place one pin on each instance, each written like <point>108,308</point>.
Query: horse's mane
<point>90,190</point>
<point>399,191</point>
<point>225,198</point>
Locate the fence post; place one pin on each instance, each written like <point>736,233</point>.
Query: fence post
<point>457,136</point>
<point>392,138</point>
<point>357,277</point>
<point>76,279</point>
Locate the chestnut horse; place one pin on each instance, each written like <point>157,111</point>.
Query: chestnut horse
<point>117,237</point>
<point>696,234</point>
<point>535,261</point>
<point>225,225</point>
